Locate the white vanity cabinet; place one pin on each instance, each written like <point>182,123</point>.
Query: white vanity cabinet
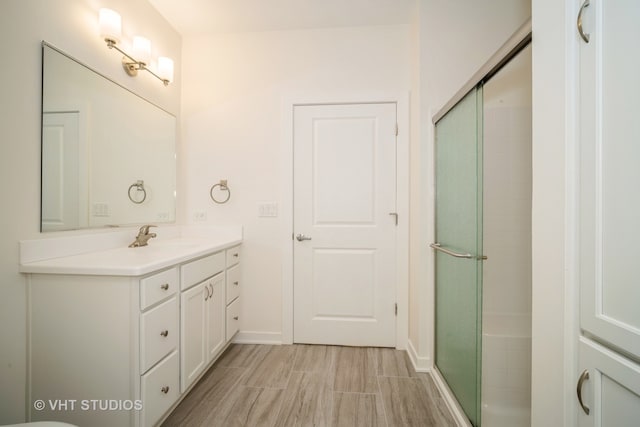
<point>122,349</point>
<point>202,333</point>
<point>233,286</point>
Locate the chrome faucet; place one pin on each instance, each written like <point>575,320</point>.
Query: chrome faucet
<point>143,236</point>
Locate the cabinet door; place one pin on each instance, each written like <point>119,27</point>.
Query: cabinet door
<point>612,392</point>
<point>193,315</point>
<point>216,316</point>
<point>609,174</point>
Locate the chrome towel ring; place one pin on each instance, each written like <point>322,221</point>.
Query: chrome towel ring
<point>139,186</point>
<point>222,185</point>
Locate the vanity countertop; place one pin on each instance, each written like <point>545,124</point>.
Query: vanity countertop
<point>125,261</point>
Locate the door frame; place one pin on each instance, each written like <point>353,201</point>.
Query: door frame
<point>401,99</point>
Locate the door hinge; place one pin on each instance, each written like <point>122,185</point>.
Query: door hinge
<point>396,129</point>
<point>396,309</point>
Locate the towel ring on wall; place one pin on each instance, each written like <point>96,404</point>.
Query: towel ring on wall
<point>139,186</point>
<point>223,187</point>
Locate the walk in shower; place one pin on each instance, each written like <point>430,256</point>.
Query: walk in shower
<point>483,245</point>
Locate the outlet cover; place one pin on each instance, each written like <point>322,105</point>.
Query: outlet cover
<point>267,209</point>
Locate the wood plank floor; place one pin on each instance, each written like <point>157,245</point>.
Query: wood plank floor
<point>312,385</point>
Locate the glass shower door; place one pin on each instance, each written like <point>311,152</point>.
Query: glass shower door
<point>458,266</point>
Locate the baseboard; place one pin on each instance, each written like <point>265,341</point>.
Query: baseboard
<point>420,364</point>
<point>251,337</point>
<point>454,407</point>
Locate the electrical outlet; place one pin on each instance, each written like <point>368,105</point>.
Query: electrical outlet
<point>200,216</point>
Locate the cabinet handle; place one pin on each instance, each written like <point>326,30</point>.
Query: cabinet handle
<point>236,283</point>
<point>211,286</point>
<point>235,317</point>
<point>165,389</point>
<point>165,287</point>
<point>206,297</point>
<point>236,255</point>
<point>583,376</point>
<point>164,333</point>
<point>585,36</point>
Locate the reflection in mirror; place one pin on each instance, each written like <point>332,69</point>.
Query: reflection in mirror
<point>108,155</point>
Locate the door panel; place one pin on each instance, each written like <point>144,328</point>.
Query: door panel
<point>344,191</point>
<point>60,171</point>
<point>612,391</point>
<point>458,230</point>
<point>609,199</point>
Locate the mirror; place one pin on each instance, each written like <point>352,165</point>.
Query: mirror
<point>108,155</point>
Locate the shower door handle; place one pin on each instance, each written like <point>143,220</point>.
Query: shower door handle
<point>438,247</point>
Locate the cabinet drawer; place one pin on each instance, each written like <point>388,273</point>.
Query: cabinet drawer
<point>233,283</point>
<point>201,269</point>
<point>158,333</point>
<point>159,389</point>
<point>158,287</point>
<point>233,255</point>
<point>233,318</point>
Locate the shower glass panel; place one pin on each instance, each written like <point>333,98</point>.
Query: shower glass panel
<point>459,238</point>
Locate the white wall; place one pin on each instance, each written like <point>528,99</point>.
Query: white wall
<point>554,294</point>
<point>233,95</point>
<point>72,26</point>
<point>456,39</point>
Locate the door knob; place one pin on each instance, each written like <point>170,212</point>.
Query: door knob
<point>302,237</point>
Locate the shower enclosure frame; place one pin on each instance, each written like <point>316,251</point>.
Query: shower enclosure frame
<point>516,43</point>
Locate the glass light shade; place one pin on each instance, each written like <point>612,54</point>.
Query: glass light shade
<point>165,68</point>
<point>141,49</point>
<point>110,24</point>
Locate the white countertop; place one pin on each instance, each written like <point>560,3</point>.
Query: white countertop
<point>125,261</point>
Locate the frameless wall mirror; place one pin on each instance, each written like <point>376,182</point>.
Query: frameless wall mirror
<point>108,155</point>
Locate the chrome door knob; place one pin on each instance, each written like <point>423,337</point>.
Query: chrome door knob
<point>302,237</point>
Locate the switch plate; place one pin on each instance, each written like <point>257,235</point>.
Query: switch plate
<point>267,209</point>
<point>101,209</point>
<point>200,216</point>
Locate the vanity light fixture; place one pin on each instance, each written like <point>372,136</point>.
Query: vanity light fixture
<point>111,30</point>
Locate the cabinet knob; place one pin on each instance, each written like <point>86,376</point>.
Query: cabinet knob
<point>236,255</point>
<point>165,287</point>
<point>235,317</point>
<point>165,389</point>
<point>236,283</point>
<point>164,333</point>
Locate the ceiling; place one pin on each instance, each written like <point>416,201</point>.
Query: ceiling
<point>193,17</point>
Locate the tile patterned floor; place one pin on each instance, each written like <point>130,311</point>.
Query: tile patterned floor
<point>312,385</point>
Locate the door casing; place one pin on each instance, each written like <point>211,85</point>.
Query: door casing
<point>402,167</point>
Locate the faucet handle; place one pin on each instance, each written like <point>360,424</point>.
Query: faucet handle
<point>145,229</point>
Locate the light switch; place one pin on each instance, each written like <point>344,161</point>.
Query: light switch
<point>101,209</point>
<point>268,209</point>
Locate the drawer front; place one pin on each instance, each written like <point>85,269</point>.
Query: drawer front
<point>233,283</point>
<point>201,269</point>
<point>159,333</point>
<point>159,389</point>
<point>158,287</point>
<point>233,255</point>
<point>233,318</point>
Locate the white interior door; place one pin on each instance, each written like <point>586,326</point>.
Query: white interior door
<point>345,244</point>
<point>60,171</point>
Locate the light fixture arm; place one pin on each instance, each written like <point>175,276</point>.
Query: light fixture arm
<point>132,65</point>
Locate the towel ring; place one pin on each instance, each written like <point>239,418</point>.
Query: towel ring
<point>139,186</point>
<point>223,187</point>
